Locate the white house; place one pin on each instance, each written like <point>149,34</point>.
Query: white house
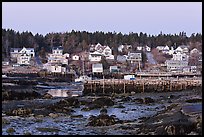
<point>184,48</point>
<point>121,58</point>
<point>99,47</point>
<point>139,48</point>
<point>29,51</point>
<point>95,56</point>
<point>14,52</point>
<point>75,57</point>
<point>148,49</point>
<point>171,51</point>
<point>160,48</point>
<point>122,47</point>
<point>195,50</point>
<point>176,65</point>
<point>57,50</point>
<point>180,56</point>
<point>179,49</point>
<point>97,68</point>
<point>134,57</point>
<point>57,61</point>
<point>187,69</point>
<point>5,63</point>
<point>98,50</point>
<point>55,67</point>
<point>57,56</point>
<point>165,50</point>
<point>23,59</point>
<point>107,51</point>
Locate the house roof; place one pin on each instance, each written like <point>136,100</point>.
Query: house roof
<point>59,48</point>
<point>12,49</point>
<point>183,46</point>
<point>19,49</point>
<point>98,65</point>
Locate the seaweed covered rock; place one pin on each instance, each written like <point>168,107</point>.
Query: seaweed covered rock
<point>148,100</point>
<point>103,101</point>
<point>47,96</point>
<point>102,119</point>
<point>19,112</point>
<point>72,101</point>
<point>20,95</point>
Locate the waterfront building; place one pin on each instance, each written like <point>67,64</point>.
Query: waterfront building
<point>57,61</point>
<point>21,55</point>
<point>23,59</point>
<point>114,69</point>
<point>95,56</point>
<point>134,57</point>
<point>97,68</point>
<point>176,65</point>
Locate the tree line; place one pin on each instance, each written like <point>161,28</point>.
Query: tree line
<point>77,41</point>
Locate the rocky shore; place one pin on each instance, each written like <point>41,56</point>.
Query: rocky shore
<point>33,111</point>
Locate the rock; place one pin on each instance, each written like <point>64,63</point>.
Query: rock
<point>103,101</point>
<point>171,130</point>
<point>76,116</point>
<point>64,106</point>
<point>53,115</point>
<point>138,100</point>
<point>99,103</point>
<point>169,101</point>
<point>20,112</point>
<point>60,109</point>
<point>103,111</point>
<point>39,116</point>
<point>41,111</point>
<point>74,102</point>
<point>194,100</point>
<point>27,133</point>
<point>171,96</point>
<point>123,111</point>
<point>102,120</point>
<point>47,96</point>
<point>160,131</point>
<point>85,109</point>
<point>148,100</point>
<point>10,130</point>
<point>48,129</point>
<point>17,94</point>
<point>119,106</point>
<point>5,121</point>
<point>126,99</point>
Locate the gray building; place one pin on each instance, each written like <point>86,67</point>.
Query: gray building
<point>176,65</point>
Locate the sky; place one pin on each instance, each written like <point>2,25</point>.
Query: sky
<point>124,17</point>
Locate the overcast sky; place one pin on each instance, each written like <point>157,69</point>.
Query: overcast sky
<point>125,17</point>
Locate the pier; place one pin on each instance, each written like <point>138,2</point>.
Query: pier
<point>109,86</point>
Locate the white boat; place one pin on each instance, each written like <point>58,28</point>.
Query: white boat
<point>83,78</point>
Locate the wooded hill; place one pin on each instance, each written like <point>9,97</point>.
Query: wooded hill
<point>77,41</point>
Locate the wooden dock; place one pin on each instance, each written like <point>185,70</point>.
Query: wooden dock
<point>109,86</point>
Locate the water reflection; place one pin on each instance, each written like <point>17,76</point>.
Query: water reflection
<point>63,93</point>
<point>193,108</point>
